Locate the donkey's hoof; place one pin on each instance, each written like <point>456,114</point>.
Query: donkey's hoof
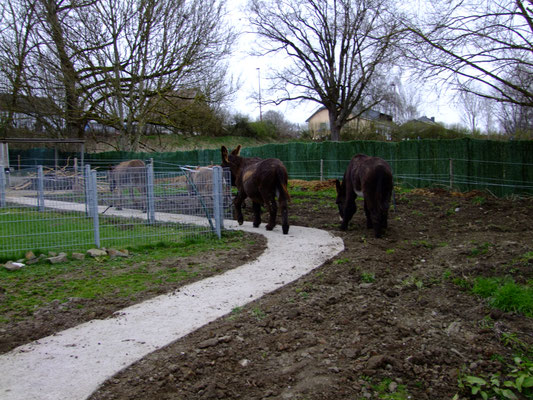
<point>269,227</point>
<point>240,222</point>
<point>285,229</point>
<point>256,224</point>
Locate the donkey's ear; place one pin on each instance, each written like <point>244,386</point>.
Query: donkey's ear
<point>237,150</point>
<point>224,153</point>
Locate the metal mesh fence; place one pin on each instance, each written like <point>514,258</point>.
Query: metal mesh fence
<point>502,167</point>
<point>57,210</point>
<point>457,174</point>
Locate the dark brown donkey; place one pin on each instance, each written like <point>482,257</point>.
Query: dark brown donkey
<point>262,180</point>
<point>128,175</point>
<point>370,177</point>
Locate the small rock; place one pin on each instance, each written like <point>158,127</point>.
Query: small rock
<point>376,361</point>
<point>244,362</point>
<point>114,253</point>
<point>208,343</point>
<point>60,258</point>
<point>13,266</point>
<point>78,256</point>
<point>224,339</point>
<point>453,328</point>
<point>393,386</point>
<point>52,254</point>
<point>351,353</point>
<point>32,261</point>
<point>293,313</point>
<point>29,255</point>
<point>96,253</point>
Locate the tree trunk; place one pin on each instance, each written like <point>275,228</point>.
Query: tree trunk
<point>73,117</point>
<point>334,127</point>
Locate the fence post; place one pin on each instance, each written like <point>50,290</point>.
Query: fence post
<point>451,173</point>
<point>93,196</point>
<point>87,180</point>
<point>218,205</point>
<point>150,206</point>
<point>2,186</point>
<point>321,169</point>
<point>40,188</point>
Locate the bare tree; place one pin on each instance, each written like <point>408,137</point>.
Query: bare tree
<point>118,61</point>
<point>472,108</point>
<point>338,52</point>
<point>516,119</point>
<point>16,42</point>
<point>161,52</point>
<point>283,127</point>
<point>404,101</point>
<point>476,46</point>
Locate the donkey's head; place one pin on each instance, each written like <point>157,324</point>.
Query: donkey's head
<point>232,161</point>
<point>341,196</point>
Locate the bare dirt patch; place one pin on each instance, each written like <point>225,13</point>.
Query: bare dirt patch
<point>384,310</point>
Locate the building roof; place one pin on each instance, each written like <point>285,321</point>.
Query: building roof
<point>368,114</point>
<point>425,120</point>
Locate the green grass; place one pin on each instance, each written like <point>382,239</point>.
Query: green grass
<point>329,193</point>
<point>23,229</point>
<point>368,277</point>
<point>383,389</point>
<point>178,142</point>
<point>480,249</point>
<point>34,286</point>
<point>505,294</point>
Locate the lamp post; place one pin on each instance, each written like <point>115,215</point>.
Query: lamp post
<point>259,82</point>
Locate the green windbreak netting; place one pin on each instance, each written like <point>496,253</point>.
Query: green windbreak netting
<point>503,168</point>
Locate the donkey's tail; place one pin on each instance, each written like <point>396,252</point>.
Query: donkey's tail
<point>283,192</point>
<point>383,188</point>
<point>283,198</point>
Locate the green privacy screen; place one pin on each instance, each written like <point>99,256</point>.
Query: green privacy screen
<point>503,168</point>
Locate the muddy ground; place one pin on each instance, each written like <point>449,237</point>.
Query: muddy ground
<point>388,318</point>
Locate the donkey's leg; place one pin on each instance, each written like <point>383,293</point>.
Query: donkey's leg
<point>238,206</point>
<point>257,214</point>
<point>284,216</point>
<point>349,210</point>
<point>272,208</point>
<point>369,223</point>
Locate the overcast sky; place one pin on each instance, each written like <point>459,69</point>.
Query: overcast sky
<point>244,67</point>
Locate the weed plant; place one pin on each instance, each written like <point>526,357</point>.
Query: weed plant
<point>505,294</point>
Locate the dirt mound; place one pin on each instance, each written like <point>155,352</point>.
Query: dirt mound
<point>312,185</point>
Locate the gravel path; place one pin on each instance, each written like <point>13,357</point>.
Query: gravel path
<point>73,363</point>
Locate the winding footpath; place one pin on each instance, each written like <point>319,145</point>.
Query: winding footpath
<point>72,364</point>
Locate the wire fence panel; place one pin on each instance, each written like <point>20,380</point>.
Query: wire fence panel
<point>44,209</point>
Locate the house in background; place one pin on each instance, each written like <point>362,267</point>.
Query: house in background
<point>318,123</point>
<point>424,120</point>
